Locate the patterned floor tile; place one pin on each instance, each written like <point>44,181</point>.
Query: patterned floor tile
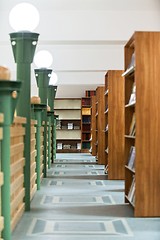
<point>109,227</point>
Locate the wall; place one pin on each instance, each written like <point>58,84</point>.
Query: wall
<point>86,37</point>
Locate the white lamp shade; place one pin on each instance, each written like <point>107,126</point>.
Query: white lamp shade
<point>43,59</point>
<point>53,79</point>
<point>24,17</point>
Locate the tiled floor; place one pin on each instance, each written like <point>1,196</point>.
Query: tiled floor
<point>76,202</point>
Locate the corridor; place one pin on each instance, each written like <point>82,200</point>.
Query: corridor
<point>76,201</point>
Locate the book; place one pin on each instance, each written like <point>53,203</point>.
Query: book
<point>132,125</point>
<point>131,190</point>
<point>131,66</point>
<point>133,94</point>
<point>131,159</point>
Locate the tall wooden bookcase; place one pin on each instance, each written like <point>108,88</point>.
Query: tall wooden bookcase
<point>100,125</point>
<point>144,195</point>
<point>86,121</point>
<point>93,125</point>
<point>114,122</point>
<point>68,132</point>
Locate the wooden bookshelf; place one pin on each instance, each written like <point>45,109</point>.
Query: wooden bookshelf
<point>93,125</point>
<point>100,125</point>
<point>86,121</point>
<point>68,131</point>
<point>114,124</point>
<point>145,75</point>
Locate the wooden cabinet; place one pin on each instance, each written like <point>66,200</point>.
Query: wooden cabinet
<point>114,124</point>
<point>69,125</point>
<point>100,125</point>
<point>142,71</point>
<point>93,125</point>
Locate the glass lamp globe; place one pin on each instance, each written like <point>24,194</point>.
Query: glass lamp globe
<point>24,17</point>
<point>53,79</point>
<point>43,59</point>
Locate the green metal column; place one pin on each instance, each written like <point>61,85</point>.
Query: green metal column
<point>23,46</point>
<point>51,96</point>
<point>37,109</point>
<point>43,76</point>
<point>9,91</point>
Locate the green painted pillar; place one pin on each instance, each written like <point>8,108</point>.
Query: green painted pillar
<point>51,96</point>
<point>38,109</point>
<point>23,46</point>
<point>43,76</point>
<point>9,92</point>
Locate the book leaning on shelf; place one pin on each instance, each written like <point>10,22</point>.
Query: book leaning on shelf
<point>133,95</point>
<point>131,159</point>
<point>131,66</point>
<point>132,128</point>
<point>131,192</point>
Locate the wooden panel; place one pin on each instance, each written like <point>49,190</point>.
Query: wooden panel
<point>17,216</point>
<point>100,124</point>
<point>93,124</point>
<point>17,183</point>
<point>17,131</point>
<point>146,76</point>
<point>17,166</point>
<point>116,125</point>
<point>15,203</point>
<point>17,148</point>
<point>19,120</point>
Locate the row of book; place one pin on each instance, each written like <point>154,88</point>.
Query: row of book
<point>61,146</point>
<point>68,126</point>
<point>86,101</point>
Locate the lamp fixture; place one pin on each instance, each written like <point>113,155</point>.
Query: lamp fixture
<point>24,17</point>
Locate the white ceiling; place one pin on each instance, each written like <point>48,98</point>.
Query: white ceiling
<point>85,37</point>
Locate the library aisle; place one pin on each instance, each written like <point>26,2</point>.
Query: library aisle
<point>76,201</point>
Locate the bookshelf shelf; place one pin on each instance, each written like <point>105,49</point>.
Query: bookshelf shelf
<point>114,122</point>
<point>128,168</point>
<point>68,129</point>
<point>130,105</point>
<point>145,76</point>
<point>129,136</point>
